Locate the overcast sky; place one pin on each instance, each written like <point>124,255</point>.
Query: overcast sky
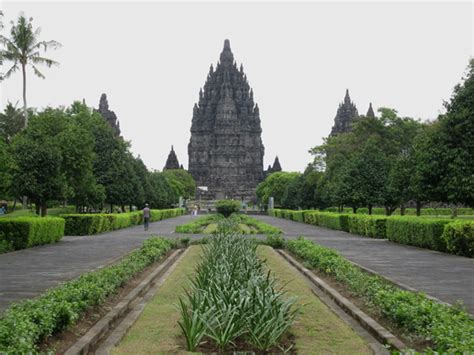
<point>151,58</point>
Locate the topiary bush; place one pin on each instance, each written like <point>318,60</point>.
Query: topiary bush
<point>227,207</point>
<point>25,232</point>
<point>416,231</point>
<point>370,226</point>
<point>459,238</point>
<point>90,224</point>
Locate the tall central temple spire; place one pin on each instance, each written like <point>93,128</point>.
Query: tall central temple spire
<point>226,150</point>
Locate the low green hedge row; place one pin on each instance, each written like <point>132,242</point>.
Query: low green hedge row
<point>449,329</point>
<point>409,211</point>
<point>25,232</point>
<point>419,232</point>
<point>459,238</point>
<point>26,324</point>
<point>443,235</point>
<point>89,224</point>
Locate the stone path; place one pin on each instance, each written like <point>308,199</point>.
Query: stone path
<point>447,277</point>
<point>29,272</point>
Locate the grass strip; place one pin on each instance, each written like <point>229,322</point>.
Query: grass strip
<point>317,329</point>
<point>156,331</point>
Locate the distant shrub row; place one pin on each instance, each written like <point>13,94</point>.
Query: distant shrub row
<point>25,232</point>
<point>27,324</point>
<point>432,233</point>
<point>89,224</point>
<point>449,329</point>
<point>409,211</point>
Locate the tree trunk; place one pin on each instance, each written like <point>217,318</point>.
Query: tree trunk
<point>44,209</point>
<point>354,209</point>
<point>418,208</point>
<point>37,207</point>
<point>369,207</point>
<point>14,205</point>
<point>402,209</point>
<point>111,208</point>
<point>25,108</point>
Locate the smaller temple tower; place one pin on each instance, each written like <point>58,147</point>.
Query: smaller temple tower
<point>370,111</point>
<point>275,168</point>
<point>172,161</point>
<point>108,115</point>
<point>346,114</point>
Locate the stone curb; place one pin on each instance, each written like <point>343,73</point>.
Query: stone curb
<point>94,334</point>
<point>377,330</point>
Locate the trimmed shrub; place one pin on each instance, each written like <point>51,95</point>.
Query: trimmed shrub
<point>227,207</point>
<point>275,241</point>
<point>26,324</point>
<point>339,221</point>
<point>25,232</point>
<point>459,238</point>
<point>89,224</point>
<point>370,226</point>
<point>419,232</point>
<point>450,328</point>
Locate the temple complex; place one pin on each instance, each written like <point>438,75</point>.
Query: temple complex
<point>172,161</point>
<point>346,114</point>
<point>108,115</point>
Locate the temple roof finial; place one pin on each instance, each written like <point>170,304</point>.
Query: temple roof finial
<point>227,58</point>
<point>370,111</point>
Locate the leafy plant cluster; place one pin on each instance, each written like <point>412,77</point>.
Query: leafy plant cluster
<point>25,232</point>
<point>89,224</point>
<point>432,233</point>
<point>232,299</point>
<point>448,329</point>
<point>227,207</point>
<point>196,226</point>
<point>26,324</point>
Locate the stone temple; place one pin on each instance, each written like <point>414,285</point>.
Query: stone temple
<point>225,149</point>
<point>108,115</point>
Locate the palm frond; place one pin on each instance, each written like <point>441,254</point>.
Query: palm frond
<point>47,44</point>
<point>42,60</point>
<point>37,72</point>
<point>10,71</point>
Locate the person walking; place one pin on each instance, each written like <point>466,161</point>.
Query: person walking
<point>146,216</point>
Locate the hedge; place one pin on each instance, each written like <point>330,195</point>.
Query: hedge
<point>450,329</point>
<point>89,224</point>
<point>419,232</point>
<point>370,226</point>
<point>459,238</point>
<point>27,324</point>
<point>227,207</point>
<point>25,232</point>
<point>428,211</point>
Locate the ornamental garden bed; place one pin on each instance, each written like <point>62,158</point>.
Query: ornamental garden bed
<point>208,224</point>
<point>315,325</point>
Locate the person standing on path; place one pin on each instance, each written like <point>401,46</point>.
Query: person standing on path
<point>146,216</point>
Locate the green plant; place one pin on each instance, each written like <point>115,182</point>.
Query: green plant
<point>459,238</point>
<point>89,224</point>
<point>26,324</point>
<point>227,207</point>
<point>419,232</point>
<point>232,297</point>
<point>370,226</point>
<point>275,241</point>
<point>25,232</point>
<point>450,329</point>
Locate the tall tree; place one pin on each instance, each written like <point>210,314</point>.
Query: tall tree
<point>24,48</point>
<point>12,121</point>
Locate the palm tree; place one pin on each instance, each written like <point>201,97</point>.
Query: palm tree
<point>23,48</point>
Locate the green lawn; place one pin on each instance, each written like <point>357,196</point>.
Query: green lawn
<point>156,330</point>
<point>30,213</point>
<point>317,329</point>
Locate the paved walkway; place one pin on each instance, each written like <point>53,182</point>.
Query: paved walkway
<point>447,277</point>
<point>29,272</point>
